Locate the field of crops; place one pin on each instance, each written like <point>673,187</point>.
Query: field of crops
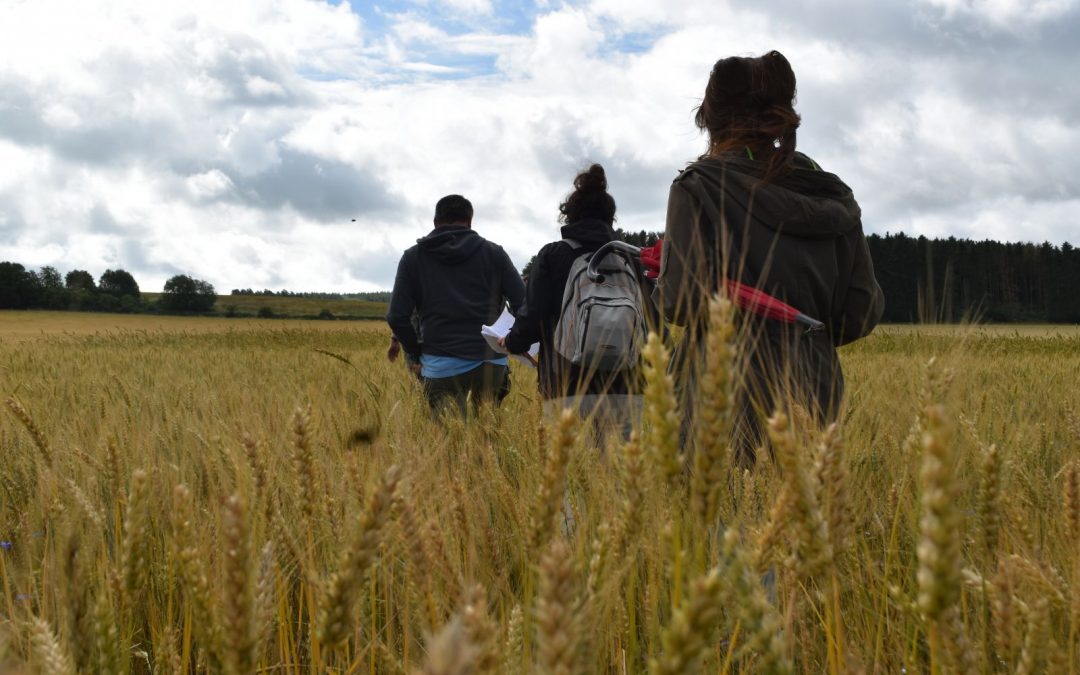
<point>230,496</point>
<point>293,306</point>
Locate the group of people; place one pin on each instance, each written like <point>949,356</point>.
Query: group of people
<point>751,210</point>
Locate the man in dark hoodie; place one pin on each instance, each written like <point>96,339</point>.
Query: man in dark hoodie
<point>455,281</point>
<point>754,210</point>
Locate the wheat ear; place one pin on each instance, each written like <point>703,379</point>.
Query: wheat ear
<point>557,623</point>
<point>661,412</point>
<point>686,638</point>
<point>549,503</point>
<point>335,624</point>
<point>239,598</point>
<point>813,553</point>
<point>36,434</point>
<point>47,648</point>
<point>712,464</point>
<point>757,617</point>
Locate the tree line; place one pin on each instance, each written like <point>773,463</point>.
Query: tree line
<point>924,280</point>
<point>114,291</point>
<point>946,280</point>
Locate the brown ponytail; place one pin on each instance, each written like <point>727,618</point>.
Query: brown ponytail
<point>750,102</point>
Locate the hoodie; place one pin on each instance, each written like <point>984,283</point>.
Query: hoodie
<point>455,281</point>
<point>798,238</point>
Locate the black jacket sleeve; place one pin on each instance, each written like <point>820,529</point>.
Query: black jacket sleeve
<point>513,287</point>
<point>537,306</point>
<point>402,306</point>
<point>865,303</point>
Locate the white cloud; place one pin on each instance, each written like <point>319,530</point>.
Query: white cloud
<point>1005,14</point>
<point>468,6</point>
<point>238,141</point>
<point>209,184</point>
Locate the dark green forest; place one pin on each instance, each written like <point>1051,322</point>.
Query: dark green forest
<point>947,280</point>
<point>924,280</point>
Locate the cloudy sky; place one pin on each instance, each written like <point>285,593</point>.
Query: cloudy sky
<point>236,140</point>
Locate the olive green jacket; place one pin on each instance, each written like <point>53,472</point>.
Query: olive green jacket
<point>798,238</point>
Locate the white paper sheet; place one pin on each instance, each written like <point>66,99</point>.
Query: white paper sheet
<point>500,329</point>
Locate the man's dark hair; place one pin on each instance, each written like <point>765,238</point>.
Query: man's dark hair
<point>453,209</point>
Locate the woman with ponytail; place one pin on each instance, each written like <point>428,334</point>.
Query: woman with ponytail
<point>754,210</point>
<point>587,214</point>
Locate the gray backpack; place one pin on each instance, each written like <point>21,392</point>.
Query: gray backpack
<point>601,326</point>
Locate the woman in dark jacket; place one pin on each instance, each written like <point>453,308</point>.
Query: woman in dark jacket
<point>588,214</point>
<point>754,210</point>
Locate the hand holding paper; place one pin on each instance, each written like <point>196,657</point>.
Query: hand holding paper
<point>496,332</point>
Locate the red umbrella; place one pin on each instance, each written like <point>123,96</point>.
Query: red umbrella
<point>745,297</point>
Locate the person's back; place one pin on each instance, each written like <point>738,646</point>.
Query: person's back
<point>588,214</point>
<point>456,281</point>
<point>755,211</point>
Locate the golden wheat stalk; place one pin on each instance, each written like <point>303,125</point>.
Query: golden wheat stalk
<point>136,552</point>
<point>191,571</point>
<point>663,424</point>
<point>833,490</point>
<point>335,622</point>
<point>239,591</point>
<point>712,423</point>
<point>28,423</point>
<point>450,651</point>
<point>755,616</point>
<point>46,646</point>
<point>687,637</point>
<point>812,555</point>
<point>551,498</point>
<point>307,491</point>
<point>991,507</point>
<point>481,629</point>
<point>558,629</point>
<point>939,525</point>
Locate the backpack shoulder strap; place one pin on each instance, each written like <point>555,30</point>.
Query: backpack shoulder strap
<point>572,243</point>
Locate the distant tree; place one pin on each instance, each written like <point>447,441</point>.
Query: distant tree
<point>266,313</point>
<point>79,280</point>
<point>50,278</point>
<point>640,239</point>
<point>53,294</point>
<point>18,288</point>
<point>118,283</point>
<point>185,294</point>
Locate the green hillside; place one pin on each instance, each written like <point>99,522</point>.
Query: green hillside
<point>293,307</point>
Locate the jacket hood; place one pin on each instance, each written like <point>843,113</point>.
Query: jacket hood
<point>589,232</point>
<point>451,244</point>
<point>805,201</point>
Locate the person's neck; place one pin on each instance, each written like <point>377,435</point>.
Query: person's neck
<point>465,226</point>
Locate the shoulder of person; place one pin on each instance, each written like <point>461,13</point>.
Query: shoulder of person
<point>492,247</point>
<point>803,161</point>
<point>409,254</point>
<point>694,169</point>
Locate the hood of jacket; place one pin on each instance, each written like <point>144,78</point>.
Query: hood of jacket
<point>804,201</point>
<point>592,233</point>
<point>451,244</point>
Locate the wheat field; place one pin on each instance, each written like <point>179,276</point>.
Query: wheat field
<point>203,498</point>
